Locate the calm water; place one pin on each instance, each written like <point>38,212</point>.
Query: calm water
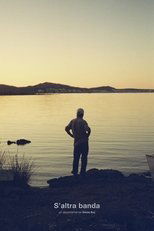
<point>122,130</point>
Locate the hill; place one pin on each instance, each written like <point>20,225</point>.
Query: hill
<point>47,88</point>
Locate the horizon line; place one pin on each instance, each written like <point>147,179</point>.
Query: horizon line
<point>32,85</point>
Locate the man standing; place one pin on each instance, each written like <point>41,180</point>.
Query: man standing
<point>79,130</point>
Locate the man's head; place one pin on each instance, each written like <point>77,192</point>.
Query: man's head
<point>80,112</point>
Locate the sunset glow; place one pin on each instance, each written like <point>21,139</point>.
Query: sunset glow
<point>81,43</point>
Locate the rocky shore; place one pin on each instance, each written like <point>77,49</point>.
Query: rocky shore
<point>102,200</point>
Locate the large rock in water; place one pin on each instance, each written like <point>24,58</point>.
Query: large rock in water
<point>19,142</point>
<point>22,142</point>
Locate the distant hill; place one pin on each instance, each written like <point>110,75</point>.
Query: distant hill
<point>7,90</point>
<point>47,88</point>
<point>103,89</point>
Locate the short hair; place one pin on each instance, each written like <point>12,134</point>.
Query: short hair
<point>80,112</point>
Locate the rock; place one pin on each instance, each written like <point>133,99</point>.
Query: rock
<point>65,181</point>
<point>23,142</point>
<point>19,142</point>
<point>90,177</point>
<point>10,142</point>
<point>146,174</point>
<point>138,178</point>
<point>107,174</point>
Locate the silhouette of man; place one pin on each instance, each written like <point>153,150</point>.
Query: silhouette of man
<point>79,130</point>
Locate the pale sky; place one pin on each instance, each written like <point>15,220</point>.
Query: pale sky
<point>77,42</point>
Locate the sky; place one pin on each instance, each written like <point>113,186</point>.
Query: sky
<point>77,42</point>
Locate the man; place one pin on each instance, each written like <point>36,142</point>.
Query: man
<point>79,130</point>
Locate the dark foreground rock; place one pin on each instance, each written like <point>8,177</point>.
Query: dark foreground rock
<point>126,204</point>
<point>92,176</point>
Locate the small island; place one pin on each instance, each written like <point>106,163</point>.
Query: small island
<point>50,88</point>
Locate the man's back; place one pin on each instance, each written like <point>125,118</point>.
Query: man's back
<point>79,129</point>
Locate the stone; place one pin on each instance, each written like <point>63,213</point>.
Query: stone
<point>19,142</point>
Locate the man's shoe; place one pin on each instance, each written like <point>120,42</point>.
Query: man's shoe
<point>74,173</point>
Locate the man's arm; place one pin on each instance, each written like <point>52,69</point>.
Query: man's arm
<point>88,129</point>
<point>68,128</point>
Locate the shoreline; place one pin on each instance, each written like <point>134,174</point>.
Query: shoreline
<point>117,203</point>
<point>60,93</point>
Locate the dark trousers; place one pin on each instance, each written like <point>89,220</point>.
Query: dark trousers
<point>80,150</point>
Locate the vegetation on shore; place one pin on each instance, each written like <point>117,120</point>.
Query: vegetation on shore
<point>2,159</point>
<point>21,168</point>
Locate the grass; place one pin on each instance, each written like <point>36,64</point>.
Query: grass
<point>21,167</point>
<point>2,159</point>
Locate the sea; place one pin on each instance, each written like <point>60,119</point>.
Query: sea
<point>122,131</point>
